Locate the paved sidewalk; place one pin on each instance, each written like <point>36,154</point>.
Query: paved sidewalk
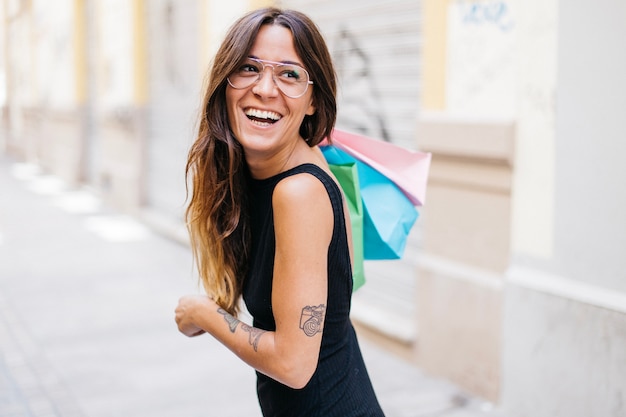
<point>87,300</point>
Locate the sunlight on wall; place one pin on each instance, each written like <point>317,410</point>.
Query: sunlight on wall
<point>533,197</point>
<point>434,54</point>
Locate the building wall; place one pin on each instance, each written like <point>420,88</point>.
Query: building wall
<point>533,200</point>
<point>175,85</point>
<point>467,121</point>
<point>590,144</point>
<point>120,100</point>
<point>565,311</point>
<point>183,39</point>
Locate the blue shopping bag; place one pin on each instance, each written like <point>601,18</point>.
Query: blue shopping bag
<point>388,214</point>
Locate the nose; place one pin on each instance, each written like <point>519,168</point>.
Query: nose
<point>266,86</point>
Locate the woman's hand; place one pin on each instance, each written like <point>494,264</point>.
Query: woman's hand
<point>188,309</point>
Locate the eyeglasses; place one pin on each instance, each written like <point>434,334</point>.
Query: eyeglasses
<point>291,79</point>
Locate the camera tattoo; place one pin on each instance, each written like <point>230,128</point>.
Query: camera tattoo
<point>254,334</point>
<point>312,319</point>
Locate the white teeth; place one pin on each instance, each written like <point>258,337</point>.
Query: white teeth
<point>262,114</point>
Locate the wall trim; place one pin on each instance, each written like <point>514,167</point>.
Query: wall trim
<point>460,271</point>
<point>536,280</point>
<point>483,139</point>
<point>401,329</point>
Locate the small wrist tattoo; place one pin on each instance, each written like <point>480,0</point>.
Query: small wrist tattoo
<point>254,335</point>
<point>312,319</point>
<point>232,322</point>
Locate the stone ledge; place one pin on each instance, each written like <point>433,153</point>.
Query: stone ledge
<point>491,140</point>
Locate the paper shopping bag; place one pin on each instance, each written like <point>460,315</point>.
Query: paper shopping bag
<point>388,214</point>
<point>348,178</point>
<point>407,169</point>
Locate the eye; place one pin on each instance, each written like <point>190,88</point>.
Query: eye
<point>249,68</point>
<point>290,74</point>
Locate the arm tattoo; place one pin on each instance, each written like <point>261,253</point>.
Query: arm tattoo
<point>232,322</point>
<point>254,334</point>
<point>312,319</point>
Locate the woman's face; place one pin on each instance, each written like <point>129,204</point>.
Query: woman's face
<point>263,119</point>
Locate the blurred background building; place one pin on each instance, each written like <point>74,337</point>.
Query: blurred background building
<point>514,282</point>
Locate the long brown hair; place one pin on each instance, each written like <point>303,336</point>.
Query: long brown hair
<point>216,169</point>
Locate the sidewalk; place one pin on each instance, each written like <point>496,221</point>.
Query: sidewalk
<point>87,300</point>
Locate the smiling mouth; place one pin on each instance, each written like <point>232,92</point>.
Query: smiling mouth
<point>262,117</point>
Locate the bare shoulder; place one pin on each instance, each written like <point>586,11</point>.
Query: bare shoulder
<point>301,194</point>
<point>302,186</point>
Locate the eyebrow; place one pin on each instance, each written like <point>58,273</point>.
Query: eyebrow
<point>278,62</point>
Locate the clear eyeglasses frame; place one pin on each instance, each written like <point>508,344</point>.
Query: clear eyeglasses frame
<point>291,79</point>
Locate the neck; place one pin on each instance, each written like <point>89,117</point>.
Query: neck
<point>264,166</point>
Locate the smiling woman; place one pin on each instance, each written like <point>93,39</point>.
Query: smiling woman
<point>265,146</point>
<point>268,221</point>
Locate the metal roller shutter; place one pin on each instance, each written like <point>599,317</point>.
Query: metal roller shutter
<point>376,49</point>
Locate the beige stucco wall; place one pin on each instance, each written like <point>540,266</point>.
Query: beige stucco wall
<point>468,123</point>
<point>465,252</point>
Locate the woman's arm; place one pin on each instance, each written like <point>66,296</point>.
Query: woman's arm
<point>303,222</point>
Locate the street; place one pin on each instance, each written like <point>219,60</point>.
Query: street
<point>87,298</point>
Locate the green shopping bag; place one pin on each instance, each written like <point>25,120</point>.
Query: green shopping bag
<point>348,178</point>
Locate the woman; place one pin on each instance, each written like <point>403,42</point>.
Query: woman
<point>268,222</point>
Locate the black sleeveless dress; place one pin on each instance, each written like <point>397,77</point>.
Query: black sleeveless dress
<point>340,385</point>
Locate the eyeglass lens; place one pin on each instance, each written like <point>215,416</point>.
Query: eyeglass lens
<point>292,80</point>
